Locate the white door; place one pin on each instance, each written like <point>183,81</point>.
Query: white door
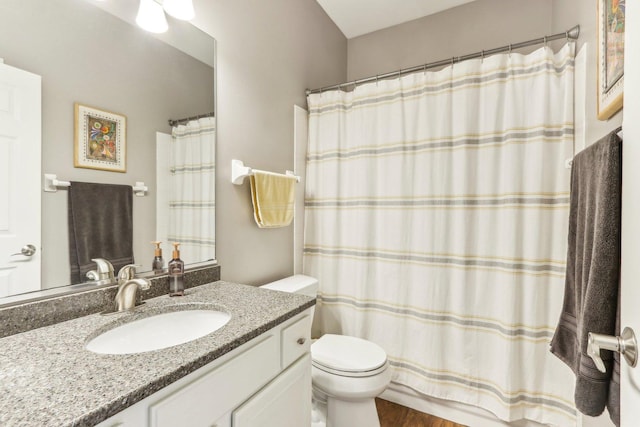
<point>630,268</point>
<point>20,174</point>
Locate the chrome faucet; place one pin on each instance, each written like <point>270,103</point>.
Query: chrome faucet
<point>103,275</point>
<point>128,287</point>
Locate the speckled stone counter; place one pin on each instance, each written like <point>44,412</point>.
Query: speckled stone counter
<point>47,377</point>
<point>83,300</point>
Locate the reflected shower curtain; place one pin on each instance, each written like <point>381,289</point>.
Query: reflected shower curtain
<point>436,222</point>
<point>192,200</point>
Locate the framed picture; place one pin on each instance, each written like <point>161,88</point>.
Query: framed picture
<point>611,22</point>
<point>100,139</point>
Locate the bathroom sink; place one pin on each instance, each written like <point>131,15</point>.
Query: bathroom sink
<point>158,331</point>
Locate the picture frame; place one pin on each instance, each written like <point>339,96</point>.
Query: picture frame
<point>611,26</point>
<point>100,139</point>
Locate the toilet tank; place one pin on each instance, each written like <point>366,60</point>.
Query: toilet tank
<point>298,284</point>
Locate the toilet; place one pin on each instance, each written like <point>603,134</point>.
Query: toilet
<point>347,372</point>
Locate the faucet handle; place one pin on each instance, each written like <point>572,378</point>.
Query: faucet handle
<point>105,269</point>
<point>93,275</point>
<point>103,273</point>
<point>127,272</point>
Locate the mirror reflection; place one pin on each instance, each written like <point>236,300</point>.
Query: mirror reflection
<point>85,55</point>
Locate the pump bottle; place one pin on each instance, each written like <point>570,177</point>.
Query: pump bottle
<point>176,273</point>
<point>158,262</point>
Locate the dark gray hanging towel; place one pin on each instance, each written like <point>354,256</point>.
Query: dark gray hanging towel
<point>592,279</point>
<point>100,226</point>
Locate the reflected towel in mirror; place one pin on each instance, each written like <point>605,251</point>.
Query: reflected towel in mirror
<point>100,226</point>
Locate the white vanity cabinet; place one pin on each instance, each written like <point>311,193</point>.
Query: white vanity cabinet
<point>265,382</point>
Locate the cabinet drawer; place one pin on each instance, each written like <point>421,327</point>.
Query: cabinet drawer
<point>208,398</point>
<point>296,340</point>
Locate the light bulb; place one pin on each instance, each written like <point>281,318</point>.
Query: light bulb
<point>180,9</point>
<point>151,17</point>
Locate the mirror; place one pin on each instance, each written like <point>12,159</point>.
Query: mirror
<point>87,55</point>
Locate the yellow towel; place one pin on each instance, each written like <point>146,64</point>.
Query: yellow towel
<point>273,198</point>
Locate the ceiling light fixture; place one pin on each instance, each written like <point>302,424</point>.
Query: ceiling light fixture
<point>151,13</point>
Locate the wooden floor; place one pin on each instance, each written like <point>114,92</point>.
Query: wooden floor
<point>393,415</point>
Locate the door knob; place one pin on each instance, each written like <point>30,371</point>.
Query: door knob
<point>625,344</point>
<point>27,250</point>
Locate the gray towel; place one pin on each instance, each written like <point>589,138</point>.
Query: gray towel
<point>100,226</point>
<point>592,279</point>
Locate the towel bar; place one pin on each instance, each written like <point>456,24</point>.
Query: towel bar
<point>239,171</point>
<point>51,184</point>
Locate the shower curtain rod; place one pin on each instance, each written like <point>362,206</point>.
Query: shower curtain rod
<point>186,119</point>
<point>572,34</point>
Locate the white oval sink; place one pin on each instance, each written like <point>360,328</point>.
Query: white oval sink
<point>159,331</point>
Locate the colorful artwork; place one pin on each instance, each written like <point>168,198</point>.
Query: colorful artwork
<point>614,35</point>
<point>100,139</point>
<point>611,28</point>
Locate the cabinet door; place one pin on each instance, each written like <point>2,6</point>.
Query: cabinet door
<point>201,402</point>
<point>284,402</point>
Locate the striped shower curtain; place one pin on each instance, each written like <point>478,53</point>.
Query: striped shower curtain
<point>192,200</point>
<point>436,222</point>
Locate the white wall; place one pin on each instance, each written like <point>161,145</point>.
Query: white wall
<point>565,14</point>
<point>269,52</point>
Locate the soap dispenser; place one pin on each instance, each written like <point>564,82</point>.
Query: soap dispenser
<point>158,262</point>
<point>176,273</point>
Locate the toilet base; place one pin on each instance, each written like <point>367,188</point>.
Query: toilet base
<point>361,413</point>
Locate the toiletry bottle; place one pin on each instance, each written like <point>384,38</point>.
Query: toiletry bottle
<point>158,262</point>
<point>176,273</point>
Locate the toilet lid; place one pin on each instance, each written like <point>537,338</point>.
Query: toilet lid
<point>347,354</point>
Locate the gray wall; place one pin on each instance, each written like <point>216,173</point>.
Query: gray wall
<point>269,52</point>
<point>88,56</point>
<point>469,28</point>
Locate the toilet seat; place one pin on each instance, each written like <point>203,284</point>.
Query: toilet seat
<point>348,356</point>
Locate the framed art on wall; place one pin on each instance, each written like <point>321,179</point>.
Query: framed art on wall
<point>100,139</point>
<point>611,26</point>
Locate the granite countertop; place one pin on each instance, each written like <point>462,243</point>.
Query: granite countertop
<point>47,377</point>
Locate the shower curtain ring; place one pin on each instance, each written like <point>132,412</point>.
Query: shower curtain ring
<point>510,48</point>
<point>482,56</point>
<point>566,34</point>
<point>545,41</point>
<point>424,69</point>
